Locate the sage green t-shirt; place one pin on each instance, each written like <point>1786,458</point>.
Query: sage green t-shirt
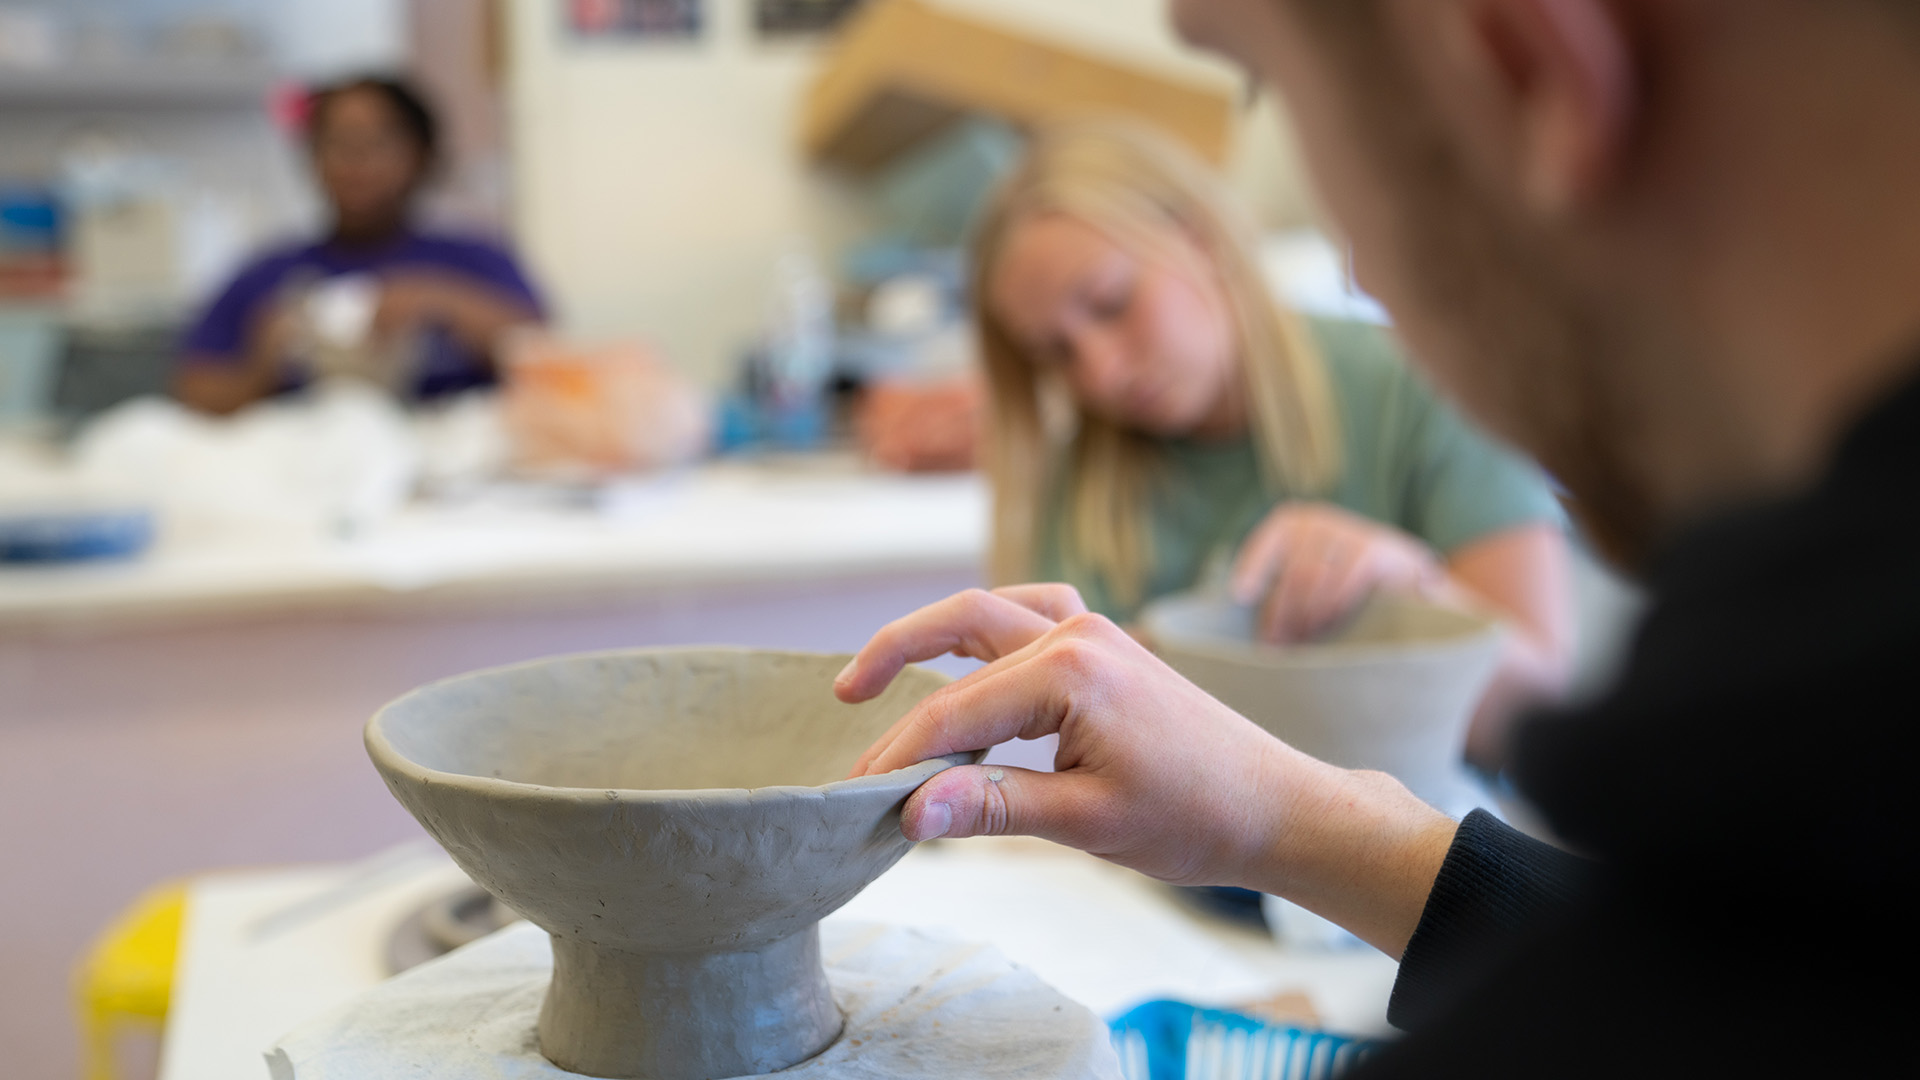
<point>1409,460</point>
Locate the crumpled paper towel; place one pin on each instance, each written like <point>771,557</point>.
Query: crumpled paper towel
<point>917,1005</point>
<point>336,462</point>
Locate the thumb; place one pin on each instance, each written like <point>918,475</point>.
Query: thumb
<point>984,800</point>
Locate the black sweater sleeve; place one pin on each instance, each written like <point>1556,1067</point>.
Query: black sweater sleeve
<point>1495,881</point>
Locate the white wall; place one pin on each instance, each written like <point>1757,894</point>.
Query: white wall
<point>655,183</point>
<point>323,39</point>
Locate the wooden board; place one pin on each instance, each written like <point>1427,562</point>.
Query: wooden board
<point>904,70</point>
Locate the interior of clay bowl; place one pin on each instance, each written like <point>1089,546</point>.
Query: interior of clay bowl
<point>686,798</point>
<point>654,720</point>
<point>1386,626</point>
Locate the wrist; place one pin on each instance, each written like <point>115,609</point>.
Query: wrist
<point>1355,847</point>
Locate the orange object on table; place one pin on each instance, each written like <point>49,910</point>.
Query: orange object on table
<point>612,407</point>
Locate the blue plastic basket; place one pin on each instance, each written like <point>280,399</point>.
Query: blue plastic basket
<point>1172,1040</point>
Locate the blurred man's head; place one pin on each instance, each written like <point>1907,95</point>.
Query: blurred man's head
<point>1640,238</point>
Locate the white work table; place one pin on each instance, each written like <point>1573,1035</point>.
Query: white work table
<point>808,554</point>
<point>801,519</point>
<point>265,952</point>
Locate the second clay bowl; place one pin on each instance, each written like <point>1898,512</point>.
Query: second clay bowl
<point>678,821</point>
<point>1393,689</point>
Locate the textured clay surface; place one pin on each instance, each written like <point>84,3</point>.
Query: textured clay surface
<point>676,820</point>
<point>918,1006</point>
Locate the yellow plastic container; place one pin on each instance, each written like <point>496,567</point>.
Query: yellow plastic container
<point>125,981</point>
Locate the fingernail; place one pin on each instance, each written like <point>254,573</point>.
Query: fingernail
<point>846,672</point>
<point>935,820</point>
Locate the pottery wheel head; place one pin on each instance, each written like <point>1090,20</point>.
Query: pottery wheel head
<point>656,800</point>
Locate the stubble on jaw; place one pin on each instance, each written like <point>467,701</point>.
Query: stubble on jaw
<point>1498,328</point>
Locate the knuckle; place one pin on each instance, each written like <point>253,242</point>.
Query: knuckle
<point>1065,597</point>
<point>1077,658</point>
<point>995,815</point>
<point>1090,625</point>
<point>936,718</point>
<point>974,601</point>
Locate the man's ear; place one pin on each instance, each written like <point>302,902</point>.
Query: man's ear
<point>1544,92</point>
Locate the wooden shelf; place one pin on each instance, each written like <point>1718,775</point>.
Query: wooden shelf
<point>144,84</point>
<point>903,70</point>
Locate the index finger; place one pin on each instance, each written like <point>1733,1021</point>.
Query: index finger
<point>1253,567</point>
<point>1017,699</point>
<point>1056,601</point>
<point>974,623</point>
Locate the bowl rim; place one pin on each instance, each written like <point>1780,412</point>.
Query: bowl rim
<point>389,760</point>
<point>1479,631</point>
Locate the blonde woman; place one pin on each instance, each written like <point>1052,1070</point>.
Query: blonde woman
<point>1157,418</point>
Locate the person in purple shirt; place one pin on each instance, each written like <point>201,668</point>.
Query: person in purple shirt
<point>420,312</point>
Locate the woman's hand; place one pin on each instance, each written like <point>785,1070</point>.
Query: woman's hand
<point>412,299</point>
<point>473,312</point>
<point>1308,564</point>
<point>222,385</point>
<point>1152,773</point>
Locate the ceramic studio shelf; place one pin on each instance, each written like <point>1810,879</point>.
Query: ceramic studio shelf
<point>138,85</point>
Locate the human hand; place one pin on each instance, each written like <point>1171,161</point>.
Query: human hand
<point>277,334</point>
<point>976,624</point>
<point>411,299</point>
<point>1151,772</point>
<point>1309,564</point>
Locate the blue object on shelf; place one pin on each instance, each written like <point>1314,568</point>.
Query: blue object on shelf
<point>1172,1040</point>
<point>744,423</point>
<point>74,536</point>
<point>30,219</point>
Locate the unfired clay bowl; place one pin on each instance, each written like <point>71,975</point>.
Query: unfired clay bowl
<point>1393,689</point>
<point>677,821</point>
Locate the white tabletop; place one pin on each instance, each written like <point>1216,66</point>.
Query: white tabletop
<point>265,951</point>
<point>720,524</point>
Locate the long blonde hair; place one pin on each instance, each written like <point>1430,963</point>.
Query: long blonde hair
<point>1143,191</point>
